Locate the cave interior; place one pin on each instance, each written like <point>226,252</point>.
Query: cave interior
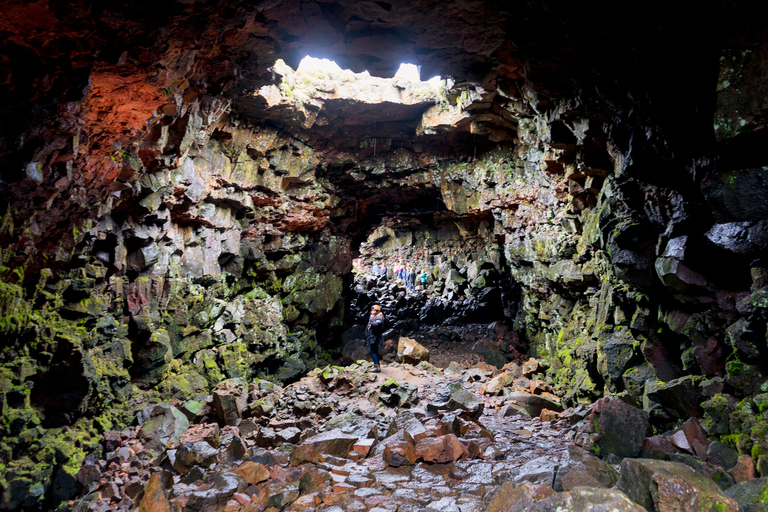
<point>181,205</point>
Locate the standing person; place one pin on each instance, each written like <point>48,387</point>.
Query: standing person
<point>406,273</point>
<point>423,278</point>
<point>375,270</point>
<point>396,269</point>
<point>383,270</point>
<point>411,278</point>
<point>373,333</point>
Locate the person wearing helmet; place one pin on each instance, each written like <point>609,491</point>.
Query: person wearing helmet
<point>373,333</point>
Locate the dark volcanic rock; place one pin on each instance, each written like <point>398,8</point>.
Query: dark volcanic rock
<point>750,495</point>
<point>577,459</point>
<point>534,404</point>
<point>582,499</point>
<point>665,486</point>
<point>621,427</point>
<point>334,442</point>
<point>454,397</point>
<point>190,454</point>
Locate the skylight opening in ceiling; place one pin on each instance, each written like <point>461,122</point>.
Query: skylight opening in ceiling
<point>316,82</point>
<point>313,68</point>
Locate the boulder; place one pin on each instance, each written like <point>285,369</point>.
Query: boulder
<point>519,495</point>
<point>714,473</point>
<point>743,470</point>
<point>752,495</point>
<point>399,453</point>
<point>673,400</point>
<point>696,437</point>
<point>583,499</point>
<point>497,384</point>
<point>455,397</point>
<point>413,429</point>
<point>224,486</point>
<point>440,449</point>
<point>208,432</point>
<point>721,455</point>
<point>674,272</point>
<point>277,495</point>
<point>334,442</point>
<point>533,404</point>
<point>615,356</point>
<point>538,471</point>
<point>578,478</point>
<point>398,394</point>
<point>621,427</point>
<point>410,351</point>
<point>663,486</point>
<point>154,498</point>
<point>576,459</point>
<point>191,454</point>
<point>252,472</point>
<point>530,367</point>
<point>163,426</point>
<point>230,399</point>
<point>657,447</point>
<point>288,435</point>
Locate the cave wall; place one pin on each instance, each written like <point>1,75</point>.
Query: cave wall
<point>160,235</point>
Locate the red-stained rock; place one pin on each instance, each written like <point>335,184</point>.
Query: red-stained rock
<point>474,448</point>
<point>252,472</point>
<point>539,387</point>
<point>241,498</point>
<point>445,448</point>
<point>547,415</point>
<point>362,447</point>
<point>697,438</point>
<point>743,470</point>
<point>208,432</point>
<point>530,367</point>
<point>400,453</point>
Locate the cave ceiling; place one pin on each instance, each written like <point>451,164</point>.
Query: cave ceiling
<point>665,56</point>
<point>647,69</point>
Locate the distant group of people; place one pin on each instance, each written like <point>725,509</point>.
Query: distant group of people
<point>375,327</point>
<point>403,271</point>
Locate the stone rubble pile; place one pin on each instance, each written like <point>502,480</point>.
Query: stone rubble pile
<point>411,438</point>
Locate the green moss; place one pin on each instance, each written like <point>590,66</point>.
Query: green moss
<point>763,494</point>
<point>15,310</point>
<point>761,401</point>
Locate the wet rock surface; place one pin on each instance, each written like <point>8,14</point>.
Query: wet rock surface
<point>453,446</point>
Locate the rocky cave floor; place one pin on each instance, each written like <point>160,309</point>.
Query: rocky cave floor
<point>414,437</point>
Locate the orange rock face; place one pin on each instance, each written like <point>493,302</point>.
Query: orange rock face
<point>154,496</point>
<point>252,472</point>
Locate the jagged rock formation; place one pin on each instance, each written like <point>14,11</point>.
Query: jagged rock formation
<point>173,218</point>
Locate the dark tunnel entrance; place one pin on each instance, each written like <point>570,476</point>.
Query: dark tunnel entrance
<point>465,308</point>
